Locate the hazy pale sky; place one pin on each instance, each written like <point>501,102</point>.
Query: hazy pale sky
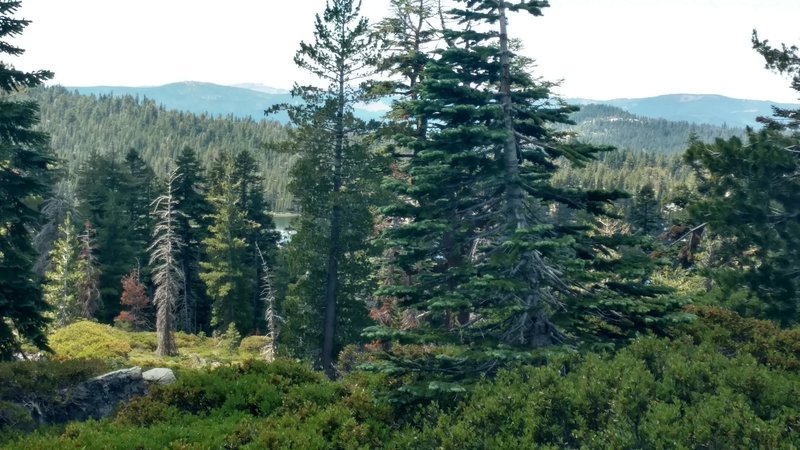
<point>602,49</point>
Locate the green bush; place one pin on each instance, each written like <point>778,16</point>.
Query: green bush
<point>89,340</point>
<point>654,394</point>
<point>734,335</point>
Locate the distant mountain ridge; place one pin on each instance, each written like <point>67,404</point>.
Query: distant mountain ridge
<point>251,99</point>
<point>247,100</point>
<point>694,108</point>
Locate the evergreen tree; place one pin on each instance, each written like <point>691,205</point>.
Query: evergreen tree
<point>749,198</point>
<point>167,274</point>
<point>228,274</point>
<point>25,167</point>
<point>89,293</point>
<point>785,60</point>
<point>332,183</point>
<point>194,308</point>
<point>54,210</point>
<point>115,196</point>
<point>645,212</point>
<point>491,275</point>
<point>62,285</point>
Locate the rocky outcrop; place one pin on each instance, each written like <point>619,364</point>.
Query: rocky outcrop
<point>97,398</point>
<point>92,399</point>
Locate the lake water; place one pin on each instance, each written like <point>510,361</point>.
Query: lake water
<point>282,221</point>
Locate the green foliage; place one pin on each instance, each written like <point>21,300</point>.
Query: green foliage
<point>26,168</point>
<point>750,199</point>
<point>334,179</point>
<point>654,394</point>
<point>88,340</point>
<point>227,272</point>
<point>81,124</point>
<point>734,335</point>
<point>64,280</point>
<point>279,405</point>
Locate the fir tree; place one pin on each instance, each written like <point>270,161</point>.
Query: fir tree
<point>228,274</point>
<point>167,274</point>
<point>645,212</point>
<point>25,167</point>
<point>749,198</point>
<point>194,308</point>
<point>332,180</point>
<point>491,274</point>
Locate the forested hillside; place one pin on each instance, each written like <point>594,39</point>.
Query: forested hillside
<point>479,269</point>
<point>610,125</point>
<point>80,125</point>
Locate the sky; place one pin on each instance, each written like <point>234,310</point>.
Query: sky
<point>599,49</point>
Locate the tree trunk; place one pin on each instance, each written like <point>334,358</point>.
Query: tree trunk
<point>333,252</point>
<point>510,150</point>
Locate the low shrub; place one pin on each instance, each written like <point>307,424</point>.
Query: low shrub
<point>653,394</point>
<point>734,335</point>
<point>88,340</point>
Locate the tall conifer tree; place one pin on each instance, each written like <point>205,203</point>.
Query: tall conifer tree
<point>489,269</point>
<point>25,167</point>
<point>332,181</point>
<point>194,309</point>
<point>228,273</point>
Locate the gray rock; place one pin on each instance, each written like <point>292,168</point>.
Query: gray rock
<point>97,398</point>
<point>159,376</point>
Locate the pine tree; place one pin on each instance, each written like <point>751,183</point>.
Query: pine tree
<point>25,167</point>
<point>62,285</point>
<point>332,180</point>
<point>101,203</point>
<point>54,210</point>
<point>228,274</point>
<point>785,60</point>
<point>165,262</point>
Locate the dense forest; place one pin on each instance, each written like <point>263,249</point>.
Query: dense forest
<point>79,125</point>
<point>480,269</point>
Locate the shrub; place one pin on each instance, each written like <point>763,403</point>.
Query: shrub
<point>88,340</point>
<point>653,394</point>
<point>734,335</point>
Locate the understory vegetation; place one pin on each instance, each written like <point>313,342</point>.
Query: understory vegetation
<point>721,382</point>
